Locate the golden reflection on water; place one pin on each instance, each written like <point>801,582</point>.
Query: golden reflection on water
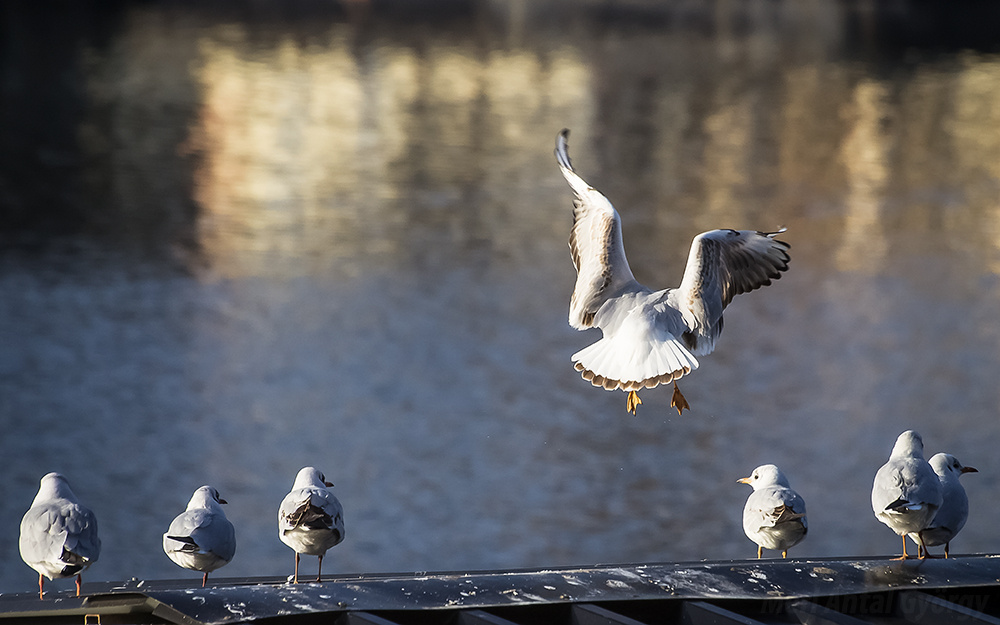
<point>277,134</point>
<point>307,153</point>
<point>864,154</point>
<point>324,152</point>
<point>974,129</point>
<point>329,149</point>
<point>975,121</point>
<point>729,127</point>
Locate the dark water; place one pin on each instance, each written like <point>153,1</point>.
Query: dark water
<point>239,241</point>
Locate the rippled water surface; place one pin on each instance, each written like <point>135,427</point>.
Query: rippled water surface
<point>238,242</point>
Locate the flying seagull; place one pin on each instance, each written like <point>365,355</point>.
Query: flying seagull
<point>310,518</point>
<point>58,533</point>
<point>201,538</point>
<point>654,337</point>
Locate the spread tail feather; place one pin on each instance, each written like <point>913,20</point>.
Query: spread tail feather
<point>645,365</point>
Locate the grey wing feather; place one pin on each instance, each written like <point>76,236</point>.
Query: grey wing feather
<point>887,487</point>
<point>905,483</point>
<point>924,485</point>
<point>725,263</point>
<point>778,505</point>
<point>310,516</point>
<point>595,244</point>
<point>65,532</point>
<point>202,531</point>
<point>311,509</point>
<point>42,537</point>
<point>86,542</point>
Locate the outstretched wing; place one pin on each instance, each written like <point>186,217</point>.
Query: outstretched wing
<point>595,244</point>
<point>725,263</point>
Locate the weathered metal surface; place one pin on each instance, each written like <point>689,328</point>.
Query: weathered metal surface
<point>229,601</point>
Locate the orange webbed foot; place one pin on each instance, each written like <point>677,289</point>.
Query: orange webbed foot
<point>632,402</point>
<point>678,401</point>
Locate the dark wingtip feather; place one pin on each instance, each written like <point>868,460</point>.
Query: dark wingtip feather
<point>899,503</point>
<point>187,542</point>
<point>562,149</point>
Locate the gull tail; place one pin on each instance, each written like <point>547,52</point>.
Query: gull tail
<point>633,366</point>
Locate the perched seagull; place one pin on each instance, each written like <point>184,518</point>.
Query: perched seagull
<point>775,515</point>
<point>652,338</point>
<point>906,493</point>
<point>201,538</point>
<point>310,519</point>
<point>954,511</point>
<point>58,534</point>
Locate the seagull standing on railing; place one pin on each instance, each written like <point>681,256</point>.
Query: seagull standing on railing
<point>201,538</point>
<point>654,337</point>
<point>310,518</point>
<point>906,493</point>
<point>58,533</point>
<point>954,510</point>
<point>774,516</point>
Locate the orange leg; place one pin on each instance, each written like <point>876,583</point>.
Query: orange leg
<point>295,578</point>
<point>79,584</point>
<point>41,586</point>
<point>905,555</point>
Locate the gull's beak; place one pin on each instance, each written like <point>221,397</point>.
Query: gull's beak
<point>970,470</point>
<point>328,484</point>
<point>221,500</point>
<point>744,480</point>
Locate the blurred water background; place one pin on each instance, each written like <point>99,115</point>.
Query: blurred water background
<point>242,238</point>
